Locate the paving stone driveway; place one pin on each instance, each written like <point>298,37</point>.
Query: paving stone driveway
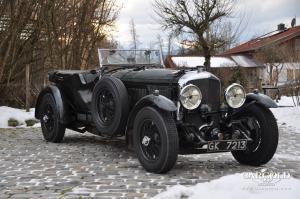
<point>90,166</point>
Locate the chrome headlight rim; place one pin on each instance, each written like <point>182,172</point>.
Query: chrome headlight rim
<point>183,90</point>
<point>228,89</point>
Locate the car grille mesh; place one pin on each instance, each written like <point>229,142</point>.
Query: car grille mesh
<point>136,94</point>
<point>210,89</point>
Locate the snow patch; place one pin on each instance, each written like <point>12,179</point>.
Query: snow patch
<point>20,115</point>
<point>287,116</point>
<point>216,62</point>
<point>286,101</point>
<point>287,157</point>
<point>235,186</point>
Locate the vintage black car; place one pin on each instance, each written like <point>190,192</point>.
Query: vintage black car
<point>161,112</point>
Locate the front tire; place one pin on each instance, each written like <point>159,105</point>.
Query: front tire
<point>53,130</point>
<point>155,140</point>
<point>264,134</point>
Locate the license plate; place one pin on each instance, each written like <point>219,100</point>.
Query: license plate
<point>226,145</point>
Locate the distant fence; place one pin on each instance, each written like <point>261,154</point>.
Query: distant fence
<point>15,95</point>
<point>25,91</point>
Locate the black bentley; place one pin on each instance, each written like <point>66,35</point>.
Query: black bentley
<point>161,112</point>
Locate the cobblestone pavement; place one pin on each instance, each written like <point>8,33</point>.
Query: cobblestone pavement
<point>92,167</point>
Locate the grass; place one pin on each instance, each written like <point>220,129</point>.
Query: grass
<point>66,190</point>
<point>13,122</point>
<point>30,122</point>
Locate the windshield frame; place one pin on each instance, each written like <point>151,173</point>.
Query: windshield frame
<point>161,64</point>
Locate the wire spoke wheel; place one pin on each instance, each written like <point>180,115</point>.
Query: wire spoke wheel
<point>48,118</point>
<point>253,130</point>
<point>110,106</point>
<point>155,139</point>
<point>106,106</point>
<point>53,130</point>
<point>150,140</point>
<point>259,124</point>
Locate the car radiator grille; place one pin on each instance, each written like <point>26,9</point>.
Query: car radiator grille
<point>210,89</point>
<point>136,94</point>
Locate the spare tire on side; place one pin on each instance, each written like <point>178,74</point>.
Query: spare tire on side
<point>110,106</point>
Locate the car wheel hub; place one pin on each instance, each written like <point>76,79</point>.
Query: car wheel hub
<point>45,118</point>
<point>146,140</point>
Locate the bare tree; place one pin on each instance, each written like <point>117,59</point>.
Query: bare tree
<point>273,56</point>
<point>194,17</point>
<point>20,30</point>
<point>170,43</point>
<point>134,35</point>
<point>160,43</point>
<point>75,28</point>
<point>294,84</point>
<point>51,34</point>
<point>166,44</point>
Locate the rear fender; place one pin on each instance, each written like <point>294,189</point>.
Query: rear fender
<point>261,99</point>
<point>61,107</point>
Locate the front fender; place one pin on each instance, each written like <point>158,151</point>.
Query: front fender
<point>261,99</point>
<point>159,101</point>
<point>58,100</point>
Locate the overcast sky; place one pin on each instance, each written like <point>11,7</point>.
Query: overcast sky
<point>262,16</point>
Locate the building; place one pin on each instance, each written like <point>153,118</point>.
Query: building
<point>225,68</point>
<point>289,65</point>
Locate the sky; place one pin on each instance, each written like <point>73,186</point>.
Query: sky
<point>259,17</point>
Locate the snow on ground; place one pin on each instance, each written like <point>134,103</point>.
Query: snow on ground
<point>236,186</point>
<point>286,101</point>
<point>287,116</point>
<point>7,113</point>
<point>287,157</point>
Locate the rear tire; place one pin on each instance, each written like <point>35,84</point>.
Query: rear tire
<point>155,140</point>
<point>53,130</point>
<point>268,141</point>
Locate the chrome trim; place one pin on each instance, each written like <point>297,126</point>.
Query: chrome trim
<point>200,93</point>
<point>230,87</point>
<point>194,75</point>
<point>206,125</point>
<point>178,111</point>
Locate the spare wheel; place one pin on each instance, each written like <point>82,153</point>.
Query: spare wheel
<point>110,106</point>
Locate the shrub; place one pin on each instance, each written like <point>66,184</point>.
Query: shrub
<point>13,122</point>
<point>30,122</point>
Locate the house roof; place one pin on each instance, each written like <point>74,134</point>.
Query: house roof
<point>216,62</point>
<point>269,38</point>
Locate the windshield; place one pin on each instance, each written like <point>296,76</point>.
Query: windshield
<point>109,57</point>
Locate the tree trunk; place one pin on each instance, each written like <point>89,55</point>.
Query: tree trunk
<point>27,88</point>
<point>207,57</point>
<point>271,74</point>
<point>202,43</point>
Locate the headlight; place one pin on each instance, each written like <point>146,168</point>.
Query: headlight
<point>235,96</point>
<point>190,97</point>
